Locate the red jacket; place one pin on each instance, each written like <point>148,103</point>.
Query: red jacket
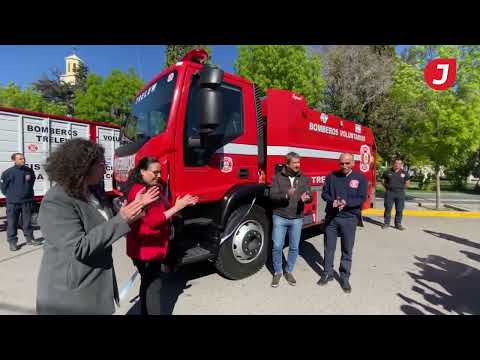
<point>149,235</point>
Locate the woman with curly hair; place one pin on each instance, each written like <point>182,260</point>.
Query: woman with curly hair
<point>147,243</point>
<point>76,274</point>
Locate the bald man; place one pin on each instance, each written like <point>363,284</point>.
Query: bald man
<point>344,192</point>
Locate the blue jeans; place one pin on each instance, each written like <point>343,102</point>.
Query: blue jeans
<point>280,227</point>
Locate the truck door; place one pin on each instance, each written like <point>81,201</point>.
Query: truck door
<point>235,159</point>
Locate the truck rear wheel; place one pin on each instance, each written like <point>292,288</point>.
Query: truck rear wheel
<point>246,251</point>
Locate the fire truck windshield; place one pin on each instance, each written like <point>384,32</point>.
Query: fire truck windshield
<point>151,109</point>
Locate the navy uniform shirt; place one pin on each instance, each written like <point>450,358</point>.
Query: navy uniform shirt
<point>352,188</point>
<point>395,181</point>
<point>17,184</point>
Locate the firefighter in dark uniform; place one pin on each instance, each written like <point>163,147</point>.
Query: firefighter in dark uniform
<point>17,186</point>
<point>395,181</point>
<point>344,192</point>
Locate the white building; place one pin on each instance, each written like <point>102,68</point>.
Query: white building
<point>72,63</point>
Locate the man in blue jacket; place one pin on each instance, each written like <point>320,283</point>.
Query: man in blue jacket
<point>17,186</point>
<point>344,192</point>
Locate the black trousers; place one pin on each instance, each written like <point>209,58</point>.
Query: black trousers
<point>391,197</point>
<point>152,278</point>
<point>344,227</point>
<point>13,215</point>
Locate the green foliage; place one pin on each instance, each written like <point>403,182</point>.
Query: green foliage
<point>289,67</point>
<point>56,91</point>
<point>29,99</point>
<point>175,53</point>
<point>103,97</point>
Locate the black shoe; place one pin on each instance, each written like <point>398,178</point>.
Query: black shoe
<point>34,242</point>
<point>399,227</point>
<point>276,280</point>
<point>290,279</point>
<point>13,247</point>
<point>385,226</point>
<point>324,279</point>
<point>345,284</point>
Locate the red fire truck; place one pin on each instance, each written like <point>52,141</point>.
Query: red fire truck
<point>217,138</point>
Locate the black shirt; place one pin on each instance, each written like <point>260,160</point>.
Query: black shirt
<point>395,181</point>
<point>17,184</point>
<point>352,188</point>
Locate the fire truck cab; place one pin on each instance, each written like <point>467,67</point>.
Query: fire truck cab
<point>218,139</point>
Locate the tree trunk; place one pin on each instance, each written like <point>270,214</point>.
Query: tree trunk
<point>438,189</point>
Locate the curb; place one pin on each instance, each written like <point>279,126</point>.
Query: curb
<point>428,213</point>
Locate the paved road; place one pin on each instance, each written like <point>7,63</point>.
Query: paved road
<point>432,268</point>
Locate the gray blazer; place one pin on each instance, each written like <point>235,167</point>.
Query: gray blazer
<point>76,274</point>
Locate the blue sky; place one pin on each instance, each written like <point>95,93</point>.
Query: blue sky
<point>24,64</point>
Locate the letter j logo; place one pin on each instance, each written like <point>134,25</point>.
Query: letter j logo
<point>440,74</point>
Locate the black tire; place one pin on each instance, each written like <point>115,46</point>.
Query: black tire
<point>226,263</point>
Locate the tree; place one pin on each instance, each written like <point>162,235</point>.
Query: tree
<point>449,130</point>
<point>358,78</point>
<point>13,96</point>
<point>289,67</point>
<point>175,53</point>
<point>394,113</point>
<point>55,90</point>
<point>105,96</point>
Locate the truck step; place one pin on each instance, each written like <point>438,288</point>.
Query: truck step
<point>197,221</point>
<point>196,254</point>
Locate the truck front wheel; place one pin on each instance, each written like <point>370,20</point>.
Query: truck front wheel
<point>245,252</point>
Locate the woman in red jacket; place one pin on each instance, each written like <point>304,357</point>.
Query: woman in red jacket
<point>147,242</point>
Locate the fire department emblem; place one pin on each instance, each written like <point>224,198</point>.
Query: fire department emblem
<point>226,164</point>
<point>324,118</point>
<point>32,147</point>
<point>354,184</point>
<point>358,128</point>
<point>365,158</point>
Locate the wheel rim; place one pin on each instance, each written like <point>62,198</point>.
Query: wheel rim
<point>248,241</point>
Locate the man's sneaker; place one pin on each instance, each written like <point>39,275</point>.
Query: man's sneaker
<point>276,280</point>
<point>399,227</point>
<point>290,279</point>
<point>324,279</point>
<point>385,226</point>
<point>345,284</point>
<point>13,247</point>
<point>34,242</point>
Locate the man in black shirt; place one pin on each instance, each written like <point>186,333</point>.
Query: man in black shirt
<point>395,181</point>
<point>17,186</point>
<point>344,192</point>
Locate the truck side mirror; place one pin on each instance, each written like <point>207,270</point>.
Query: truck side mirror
<point>210,99</point>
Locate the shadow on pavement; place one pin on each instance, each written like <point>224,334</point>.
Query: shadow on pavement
<point>309,252</point>
<point>471,255</point>
<point>306,250</point>
<point>17,309</point>
<point>454,238</point>
<point>173,286</point>
<point>459,283</point>
<point>372,221</point>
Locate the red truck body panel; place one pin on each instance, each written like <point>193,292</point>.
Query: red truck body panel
<point>290,126</point>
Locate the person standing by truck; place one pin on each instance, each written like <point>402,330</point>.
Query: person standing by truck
<point>77,275</point>
<point>344,192</point>
<point>17,186</point>
<point>395,180</point>
<point>147,243</point>
<point>289,192</point>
